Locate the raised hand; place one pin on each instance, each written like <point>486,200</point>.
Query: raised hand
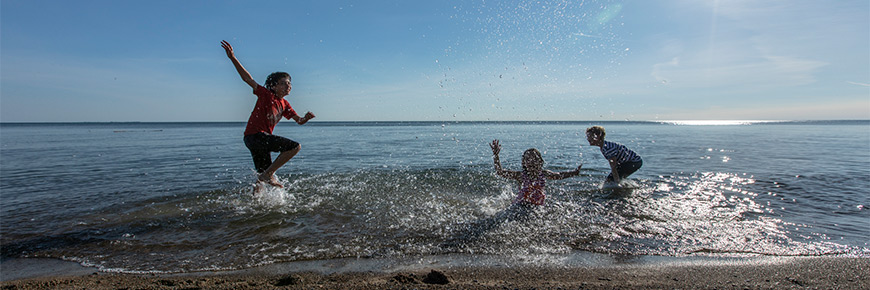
<point>246,77</point>
<point>496,147</point>
<point>228,48</point>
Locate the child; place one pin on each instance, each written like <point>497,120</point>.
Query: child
<point>532,178</point>
<point>268,110</point>
<point>623,161</point>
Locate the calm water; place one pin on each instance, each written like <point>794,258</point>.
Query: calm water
<point>177,197</point>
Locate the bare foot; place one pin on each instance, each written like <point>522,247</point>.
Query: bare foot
<point>270,179</point>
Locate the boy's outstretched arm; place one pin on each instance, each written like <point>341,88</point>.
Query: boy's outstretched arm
<point>496,148</point>
<point>303,120</point>
<point>242,72</point>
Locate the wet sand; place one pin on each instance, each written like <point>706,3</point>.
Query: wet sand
<point>775,273</point>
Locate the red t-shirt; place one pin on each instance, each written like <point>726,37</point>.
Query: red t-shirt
<point>267,112</point>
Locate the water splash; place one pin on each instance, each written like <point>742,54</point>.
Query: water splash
<point>403,213</point>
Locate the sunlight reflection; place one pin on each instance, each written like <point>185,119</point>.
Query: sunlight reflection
<point>717,122</point>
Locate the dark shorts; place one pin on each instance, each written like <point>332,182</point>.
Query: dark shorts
<point>625,169</point>
<point>262,145</point>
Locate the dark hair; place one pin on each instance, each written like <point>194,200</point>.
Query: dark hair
<point>273,78</point>
<point>534,154</point>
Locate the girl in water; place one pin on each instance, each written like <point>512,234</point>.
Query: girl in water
<point>532,178</point>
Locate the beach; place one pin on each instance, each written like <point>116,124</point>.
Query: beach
<point>765,273</point>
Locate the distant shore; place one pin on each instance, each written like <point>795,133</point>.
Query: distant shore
<point>751,273</point>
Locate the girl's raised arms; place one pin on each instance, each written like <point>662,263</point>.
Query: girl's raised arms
<point>496,148</point>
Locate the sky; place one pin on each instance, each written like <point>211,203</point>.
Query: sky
<point>471,60</point>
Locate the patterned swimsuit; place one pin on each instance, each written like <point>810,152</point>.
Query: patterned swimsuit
<point>531,190</point>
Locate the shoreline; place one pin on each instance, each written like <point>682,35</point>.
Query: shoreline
<point>465,273</point>
<point>28,268</point>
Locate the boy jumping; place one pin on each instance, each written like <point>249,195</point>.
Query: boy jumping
<point>269,109</point>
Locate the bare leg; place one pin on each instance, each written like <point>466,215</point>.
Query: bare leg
<point>268,176</point>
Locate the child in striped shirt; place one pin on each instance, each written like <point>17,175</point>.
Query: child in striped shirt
<point>623,161</point>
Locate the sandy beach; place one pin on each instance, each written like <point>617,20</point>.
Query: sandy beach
<point>773,273</point>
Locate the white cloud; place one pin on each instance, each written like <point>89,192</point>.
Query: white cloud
<point>749,45</point>
<point>769,71</point>
<point>658,71</point>
<point>844,110</point>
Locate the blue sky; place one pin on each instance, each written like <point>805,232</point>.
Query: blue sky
<point>116,61</point>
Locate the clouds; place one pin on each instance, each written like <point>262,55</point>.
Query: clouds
<point>757,72</point>
<point>813,110</point>
<point>772,59</point>
<point>749,44</point>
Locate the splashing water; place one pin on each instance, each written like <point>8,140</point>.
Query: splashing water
<point>436,196</point>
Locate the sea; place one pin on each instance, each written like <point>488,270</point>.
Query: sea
<point>179,197</point>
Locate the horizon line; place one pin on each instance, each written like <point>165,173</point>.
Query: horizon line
<point>673,121</point>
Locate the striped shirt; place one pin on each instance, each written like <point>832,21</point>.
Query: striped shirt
<point>618,152</point>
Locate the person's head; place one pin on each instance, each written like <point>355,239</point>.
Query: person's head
<point>279,84</point>
<point>595,135</point>
<point>533,161</point>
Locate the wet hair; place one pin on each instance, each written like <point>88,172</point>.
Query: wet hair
<point>534,153</point>
<point>596,131</point>
<point>273,78</point>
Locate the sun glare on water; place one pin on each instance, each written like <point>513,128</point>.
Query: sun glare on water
<point>716,122</point>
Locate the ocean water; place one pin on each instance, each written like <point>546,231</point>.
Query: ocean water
<point>176,197</point>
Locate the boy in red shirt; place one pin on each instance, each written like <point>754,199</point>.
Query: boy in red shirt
<point>270,107</point>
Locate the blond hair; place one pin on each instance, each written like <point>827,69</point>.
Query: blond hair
<point>596,131</point>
